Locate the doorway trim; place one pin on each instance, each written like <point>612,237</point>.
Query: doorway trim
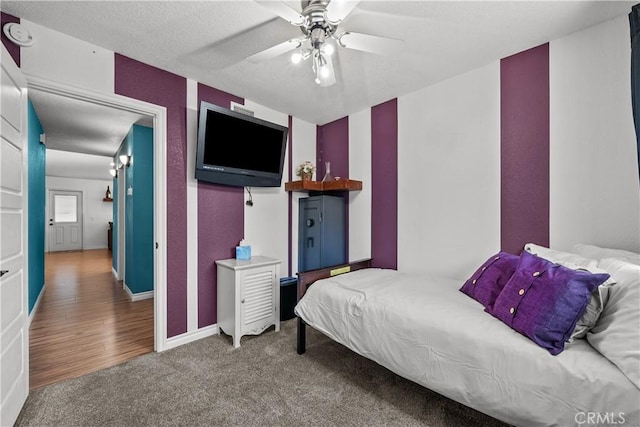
<point>122,199</point>
<point>159,115</point>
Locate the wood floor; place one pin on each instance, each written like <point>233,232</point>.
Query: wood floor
<point>85,320</point>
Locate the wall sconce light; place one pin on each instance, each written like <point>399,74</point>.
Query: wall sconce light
<point>113,172</point>
<point>125,160</point>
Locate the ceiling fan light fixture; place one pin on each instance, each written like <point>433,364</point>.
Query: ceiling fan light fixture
<point>317,37</point>
<point>320,66</point>
<point>327,49</point>
<point>318,20</point>
<point>317,64</point>
<point>318,61</point>
<point>296,57</point>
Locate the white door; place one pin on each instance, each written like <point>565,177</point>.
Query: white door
<point>65,220</point>
<point>14,349</point>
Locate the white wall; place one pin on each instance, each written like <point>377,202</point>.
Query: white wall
<point>360,201</point>
<point>595,194</point>
<point>449,157</point>
<point>65,59</point>
<point>266,222</point>
<point>96,213</point>
<point>192,206</point>
<point>304,148</point>
<point>449,174</point>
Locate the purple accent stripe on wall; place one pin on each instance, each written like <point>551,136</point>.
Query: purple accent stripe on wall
<point>13,49</point>
<point>332,145</point>
<point>384,184</point>
<point>146,83</point>
<point>220,223</point>
<point>290,201</point>
<point>524,149</point>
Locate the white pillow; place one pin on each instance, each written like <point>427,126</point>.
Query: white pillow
<point>616,335</point>
<point>598,301</point>
<point>597,252</point>
<point>566,259</point>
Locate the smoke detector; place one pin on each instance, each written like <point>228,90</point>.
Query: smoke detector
<point>18,34</point>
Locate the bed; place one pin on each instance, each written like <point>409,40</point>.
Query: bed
<point>424,329</point>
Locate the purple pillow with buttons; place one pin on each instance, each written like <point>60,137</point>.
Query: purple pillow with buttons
<point>543,300</point>
<point>488,280</point>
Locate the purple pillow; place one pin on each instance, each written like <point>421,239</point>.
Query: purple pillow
<point>486,283</point>
<point>543,300</point>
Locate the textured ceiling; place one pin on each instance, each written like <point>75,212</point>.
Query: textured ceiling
<point>77,165</point>
<point>80,126</point>
<point>209,41</point>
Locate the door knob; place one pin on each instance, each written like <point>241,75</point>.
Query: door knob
<point>3,272</point>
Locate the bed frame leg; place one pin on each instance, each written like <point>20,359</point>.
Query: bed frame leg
<point>301,345</point>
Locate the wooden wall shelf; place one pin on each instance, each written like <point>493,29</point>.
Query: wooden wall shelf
<point>107,199</point>
<point>337,185</point>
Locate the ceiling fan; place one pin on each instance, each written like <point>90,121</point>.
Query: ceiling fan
<point>319,22</point>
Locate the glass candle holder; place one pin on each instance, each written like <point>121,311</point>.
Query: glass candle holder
<point>327,173</point>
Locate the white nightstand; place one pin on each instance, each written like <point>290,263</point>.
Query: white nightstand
<point>248,296</point>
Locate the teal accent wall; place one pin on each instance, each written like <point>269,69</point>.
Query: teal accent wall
<point>36,170</point>
<point>139,244</point>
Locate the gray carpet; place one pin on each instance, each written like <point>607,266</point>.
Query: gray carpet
<point>262,383</point>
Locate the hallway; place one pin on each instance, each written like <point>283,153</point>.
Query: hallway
<point>85,321</point>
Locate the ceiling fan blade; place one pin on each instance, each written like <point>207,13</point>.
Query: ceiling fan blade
<point>283,10</point>
<point>337,10</point>
<point>330,78</point>
<point>238,46</point>
<point>274,51</point>
<point>369,43</point>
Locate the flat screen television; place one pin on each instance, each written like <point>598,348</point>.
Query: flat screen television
<point>237,149</point>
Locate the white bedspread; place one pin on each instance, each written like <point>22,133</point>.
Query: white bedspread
<point>424,329</point>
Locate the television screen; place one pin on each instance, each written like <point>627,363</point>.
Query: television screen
<point>237,149</point>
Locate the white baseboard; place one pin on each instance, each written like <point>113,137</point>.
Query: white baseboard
<point>188,337</point>
<point>137,296</point>
<point>36,305</point>
<point>94,247</point>
<point>115,272</point>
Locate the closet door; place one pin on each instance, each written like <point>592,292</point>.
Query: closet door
<point>14,327</point>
